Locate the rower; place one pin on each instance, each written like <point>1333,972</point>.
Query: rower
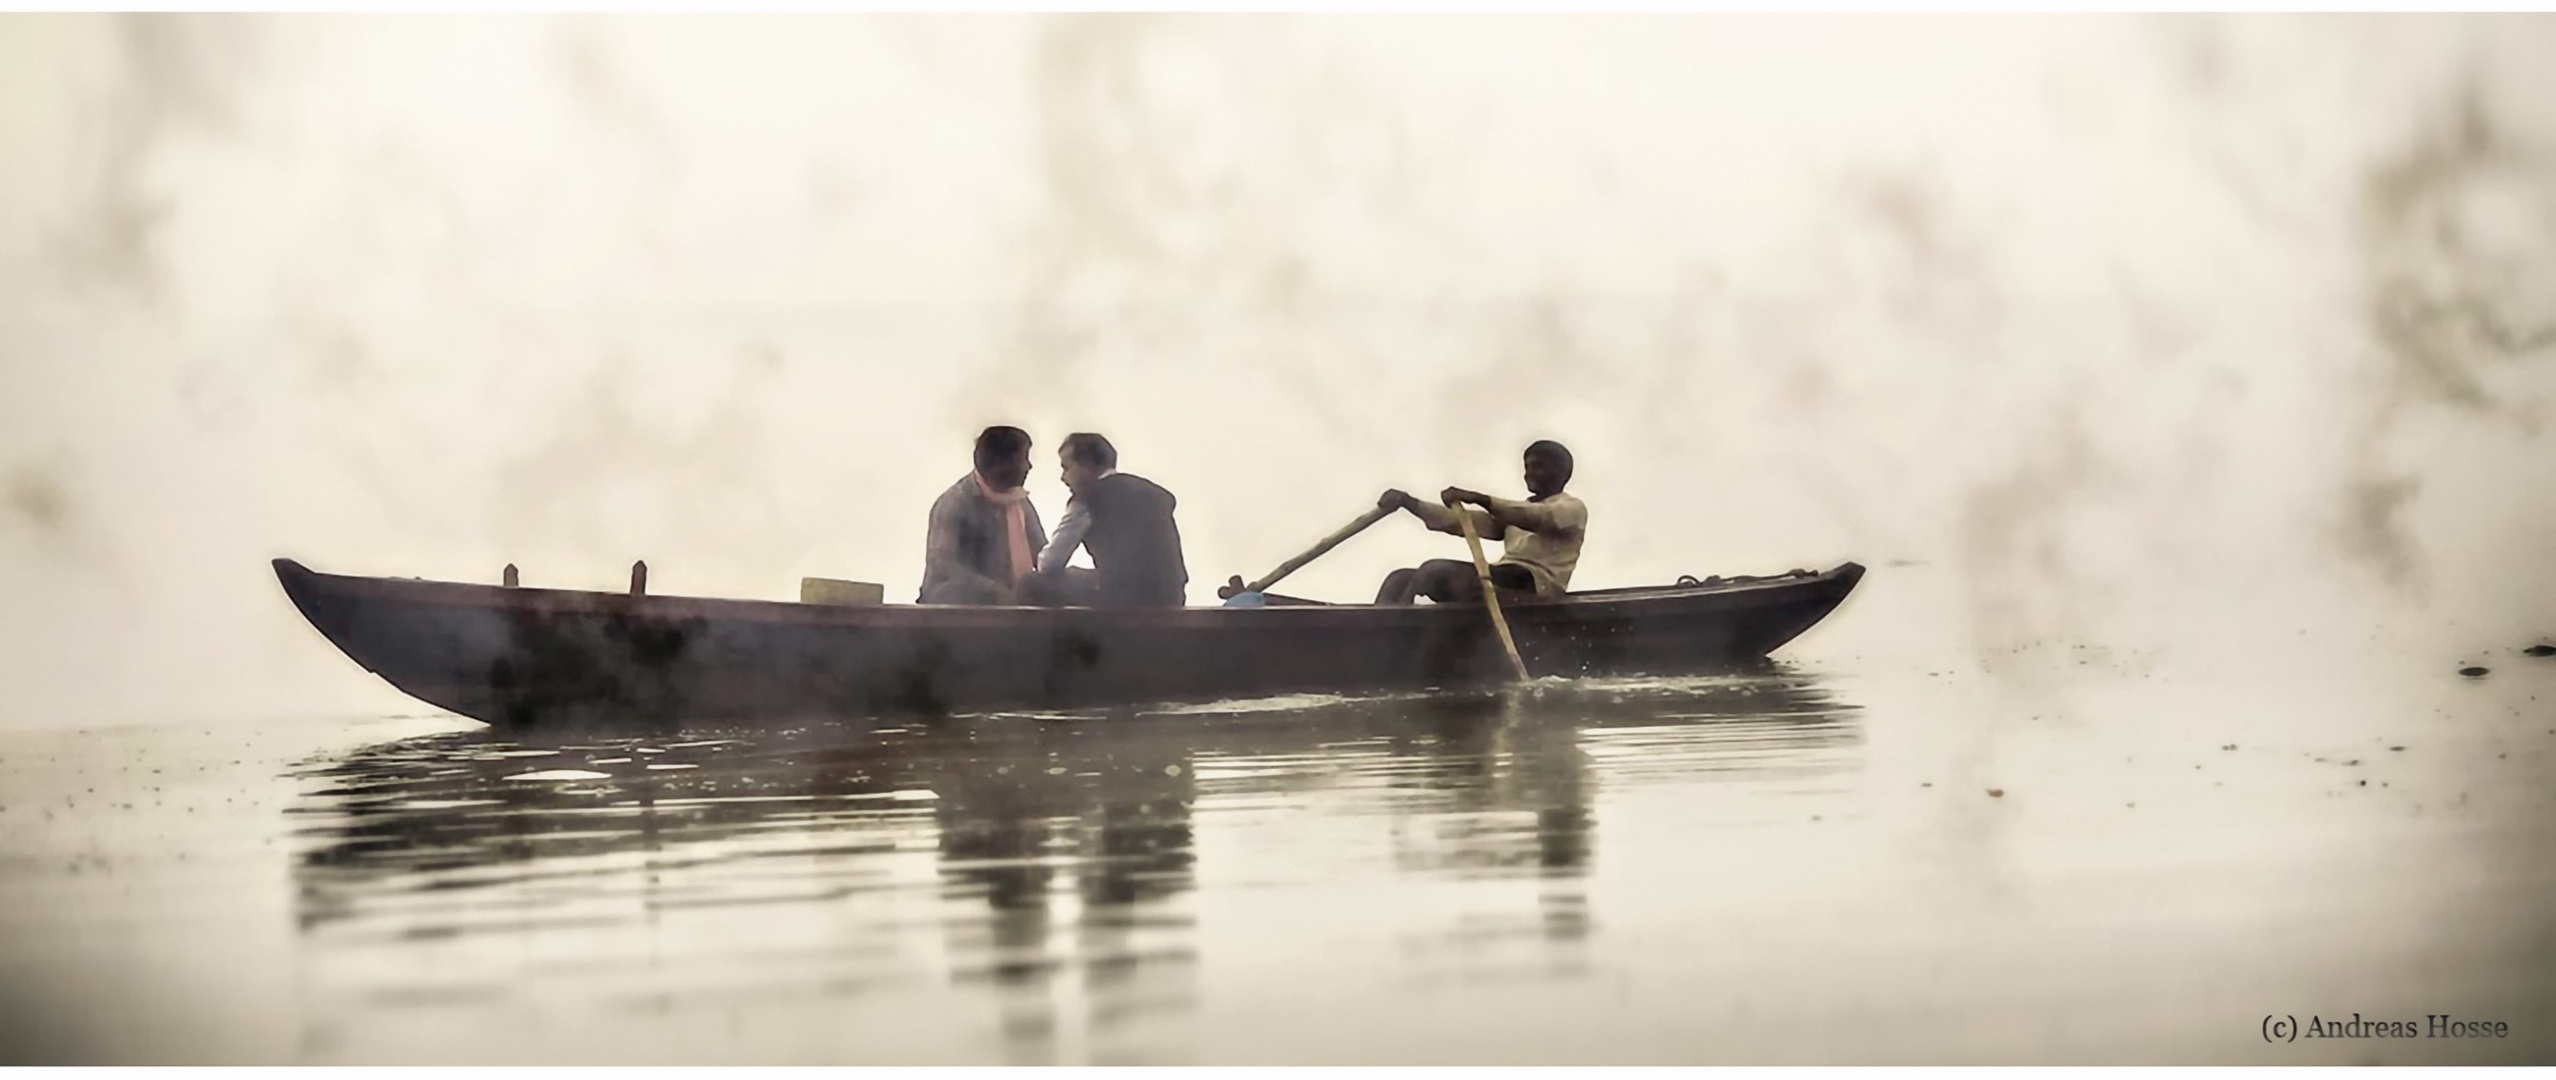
<point>1540,537</point>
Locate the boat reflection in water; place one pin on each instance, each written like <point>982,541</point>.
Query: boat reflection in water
<point>1005,888</point>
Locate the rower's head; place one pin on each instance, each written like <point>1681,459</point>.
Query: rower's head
<point>1085,457</point>
<point>1003,457</point>
<point>1548,467</point>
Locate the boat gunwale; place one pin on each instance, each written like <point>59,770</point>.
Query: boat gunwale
<point>527,599</point>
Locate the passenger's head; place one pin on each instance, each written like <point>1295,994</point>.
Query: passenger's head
<point>1002,457</point>
<point>1085,457</point>
<point>1548,467</point>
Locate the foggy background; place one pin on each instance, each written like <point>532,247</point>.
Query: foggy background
<point>2207,341</point>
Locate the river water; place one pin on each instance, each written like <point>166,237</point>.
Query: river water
<point>1803,861</point>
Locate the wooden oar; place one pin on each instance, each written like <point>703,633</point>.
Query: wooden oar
<point>1490,593</point>
<point>1235,588</point>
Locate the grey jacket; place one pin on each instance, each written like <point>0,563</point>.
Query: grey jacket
<point>965,556</point>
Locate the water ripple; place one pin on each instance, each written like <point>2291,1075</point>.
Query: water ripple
<point>1041,871</point>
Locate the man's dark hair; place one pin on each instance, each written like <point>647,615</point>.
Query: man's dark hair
<point>1090,449</point>
<point>999,444</point>
<point>1556,452</point>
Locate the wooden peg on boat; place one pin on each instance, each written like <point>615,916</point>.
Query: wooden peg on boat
<point>511,579</point>
<point>639,578</point>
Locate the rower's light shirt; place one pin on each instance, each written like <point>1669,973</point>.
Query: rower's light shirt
<point>1069,533</point>
<point>1548,544</point>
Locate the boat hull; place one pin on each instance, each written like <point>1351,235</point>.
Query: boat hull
<point>541,658</point>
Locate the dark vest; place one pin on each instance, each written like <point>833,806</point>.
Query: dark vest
<point>1135,546</point>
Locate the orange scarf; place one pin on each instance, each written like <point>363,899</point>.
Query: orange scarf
<point>1015,504</point>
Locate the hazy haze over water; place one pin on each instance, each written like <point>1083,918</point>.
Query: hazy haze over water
<point>2166,335</point>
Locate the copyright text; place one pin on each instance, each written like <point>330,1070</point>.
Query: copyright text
<point>2280,1027</point>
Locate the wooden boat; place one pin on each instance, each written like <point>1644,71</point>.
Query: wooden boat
<point>526,657</point>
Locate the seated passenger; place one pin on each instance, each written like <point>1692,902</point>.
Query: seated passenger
<point>1125,521</point>
<point>984,534</point>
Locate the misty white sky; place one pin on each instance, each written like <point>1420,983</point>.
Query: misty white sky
<point>2155,333</point>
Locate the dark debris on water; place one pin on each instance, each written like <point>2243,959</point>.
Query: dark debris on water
<point>2472,671</point>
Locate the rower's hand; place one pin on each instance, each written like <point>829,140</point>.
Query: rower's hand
<point>1454,495</point>
<point>1396,499</point>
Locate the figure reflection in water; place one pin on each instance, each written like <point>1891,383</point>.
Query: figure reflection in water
<point>687,881</point>
<point>424,840</point>
<point>1515,793</point>
<point>1116,815</point>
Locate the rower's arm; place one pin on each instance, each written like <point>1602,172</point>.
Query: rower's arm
<point>1543,519</point>
<point>1441,519</point>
